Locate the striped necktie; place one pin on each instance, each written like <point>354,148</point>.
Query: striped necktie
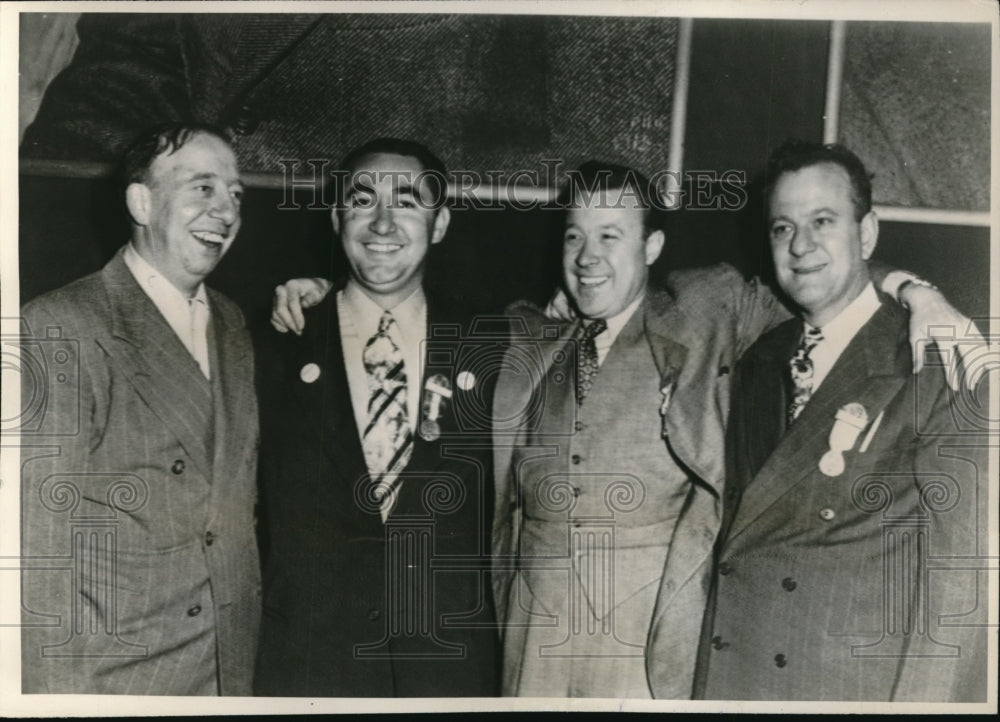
<point>387,440</point>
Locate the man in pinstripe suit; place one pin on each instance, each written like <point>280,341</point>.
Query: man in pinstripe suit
<point>139,467</point>
<point>855,507</point>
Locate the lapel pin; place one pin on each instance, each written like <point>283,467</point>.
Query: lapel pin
<point>437,388</point>
<point>309,373</point>
<point>667,390</point>
<point>466,380</point>
<point>850,420</point>
<point>871,432</point>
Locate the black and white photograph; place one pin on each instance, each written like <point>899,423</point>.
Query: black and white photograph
<point>499,356</point>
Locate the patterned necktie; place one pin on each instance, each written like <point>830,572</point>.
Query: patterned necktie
<point>388,440</point>
<point>801,367</point>
<point>586,361</point>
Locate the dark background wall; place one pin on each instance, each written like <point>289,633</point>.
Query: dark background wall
<point>754,83</point>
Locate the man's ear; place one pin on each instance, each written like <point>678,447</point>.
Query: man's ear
<point>441,221</point>
<point>869,235</point>
<point>137,200</point>
<point>654,246</point>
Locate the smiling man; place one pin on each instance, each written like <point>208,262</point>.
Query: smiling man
<point>608,441</point>
<point>140,489</point>
<point>846,564</point>
<point>608,464</point>
<point>375,468</point>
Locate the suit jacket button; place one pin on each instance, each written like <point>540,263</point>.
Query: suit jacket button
<point>780,661</point>
<point>827,514</point>
<point>788,584</point>
<point>194,611</point>
<point>576,458</point>
<point>178,467</point>
<point>717,642</point>
<point>374,614</point>
<point>209,538</point>
<point>724,568</point>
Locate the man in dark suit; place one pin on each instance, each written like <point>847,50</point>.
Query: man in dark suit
<point>376,463</point>
<point>856,490</point>
<point>139,468</point>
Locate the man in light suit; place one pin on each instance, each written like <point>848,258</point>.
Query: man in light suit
<point>606,501</point>
<point>376,465</point>
<point>139,466</point>
<point>855,510</point>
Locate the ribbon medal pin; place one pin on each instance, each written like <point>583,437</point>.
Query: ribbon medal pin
<point>437,390</point>
<point>850,421</point>
<point>667,391</point>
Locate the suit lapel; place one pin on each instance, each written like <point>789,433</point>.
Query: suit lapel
<point>665,325</point>
<point>541,344</point>
<point>231,359</point>
<point>337,430</point>
<point>157,364</point>
<point>426,454</point>
<point>440,357</point>
<point>765,394</point>
<point>870,371</point>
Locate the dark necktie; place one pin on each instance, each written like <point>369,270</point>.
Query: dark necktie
<point>801,367</point>
<point>388,440</point>
<point>587,365</point>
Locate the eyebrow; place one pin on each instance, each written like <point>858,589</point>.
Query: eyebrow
<point>210,176</point>
<point>403,189</point>
<point>203,175</point>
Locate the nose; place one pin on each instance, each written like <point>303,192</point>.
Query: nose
<point>382,222</point>
<point>801,243</point>
<point>225,209</point>
<point>587,255</point>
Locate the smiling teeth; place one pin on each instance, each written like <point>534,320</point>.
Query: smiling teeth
<point>209,236</point>
<point>592,280</point>
<point>383,247</point>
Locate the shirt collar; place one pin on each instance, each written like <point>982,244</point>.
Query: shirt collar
<point>154,283</point>
<point>617,323</point>
<point>846,324</point>
<point>409,313</point>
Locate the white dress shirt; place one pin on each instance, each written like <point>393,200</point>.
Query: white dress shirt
<point>606,338</point>
<point>359,317</point>
<point>837,334</point>
<point>188,317</point>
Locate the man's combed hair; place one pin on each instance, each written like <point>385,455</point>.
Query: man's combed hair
<point>794,155</point>
<point>618,183</point>
<point>162,140</point>
<point>434,174</point>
